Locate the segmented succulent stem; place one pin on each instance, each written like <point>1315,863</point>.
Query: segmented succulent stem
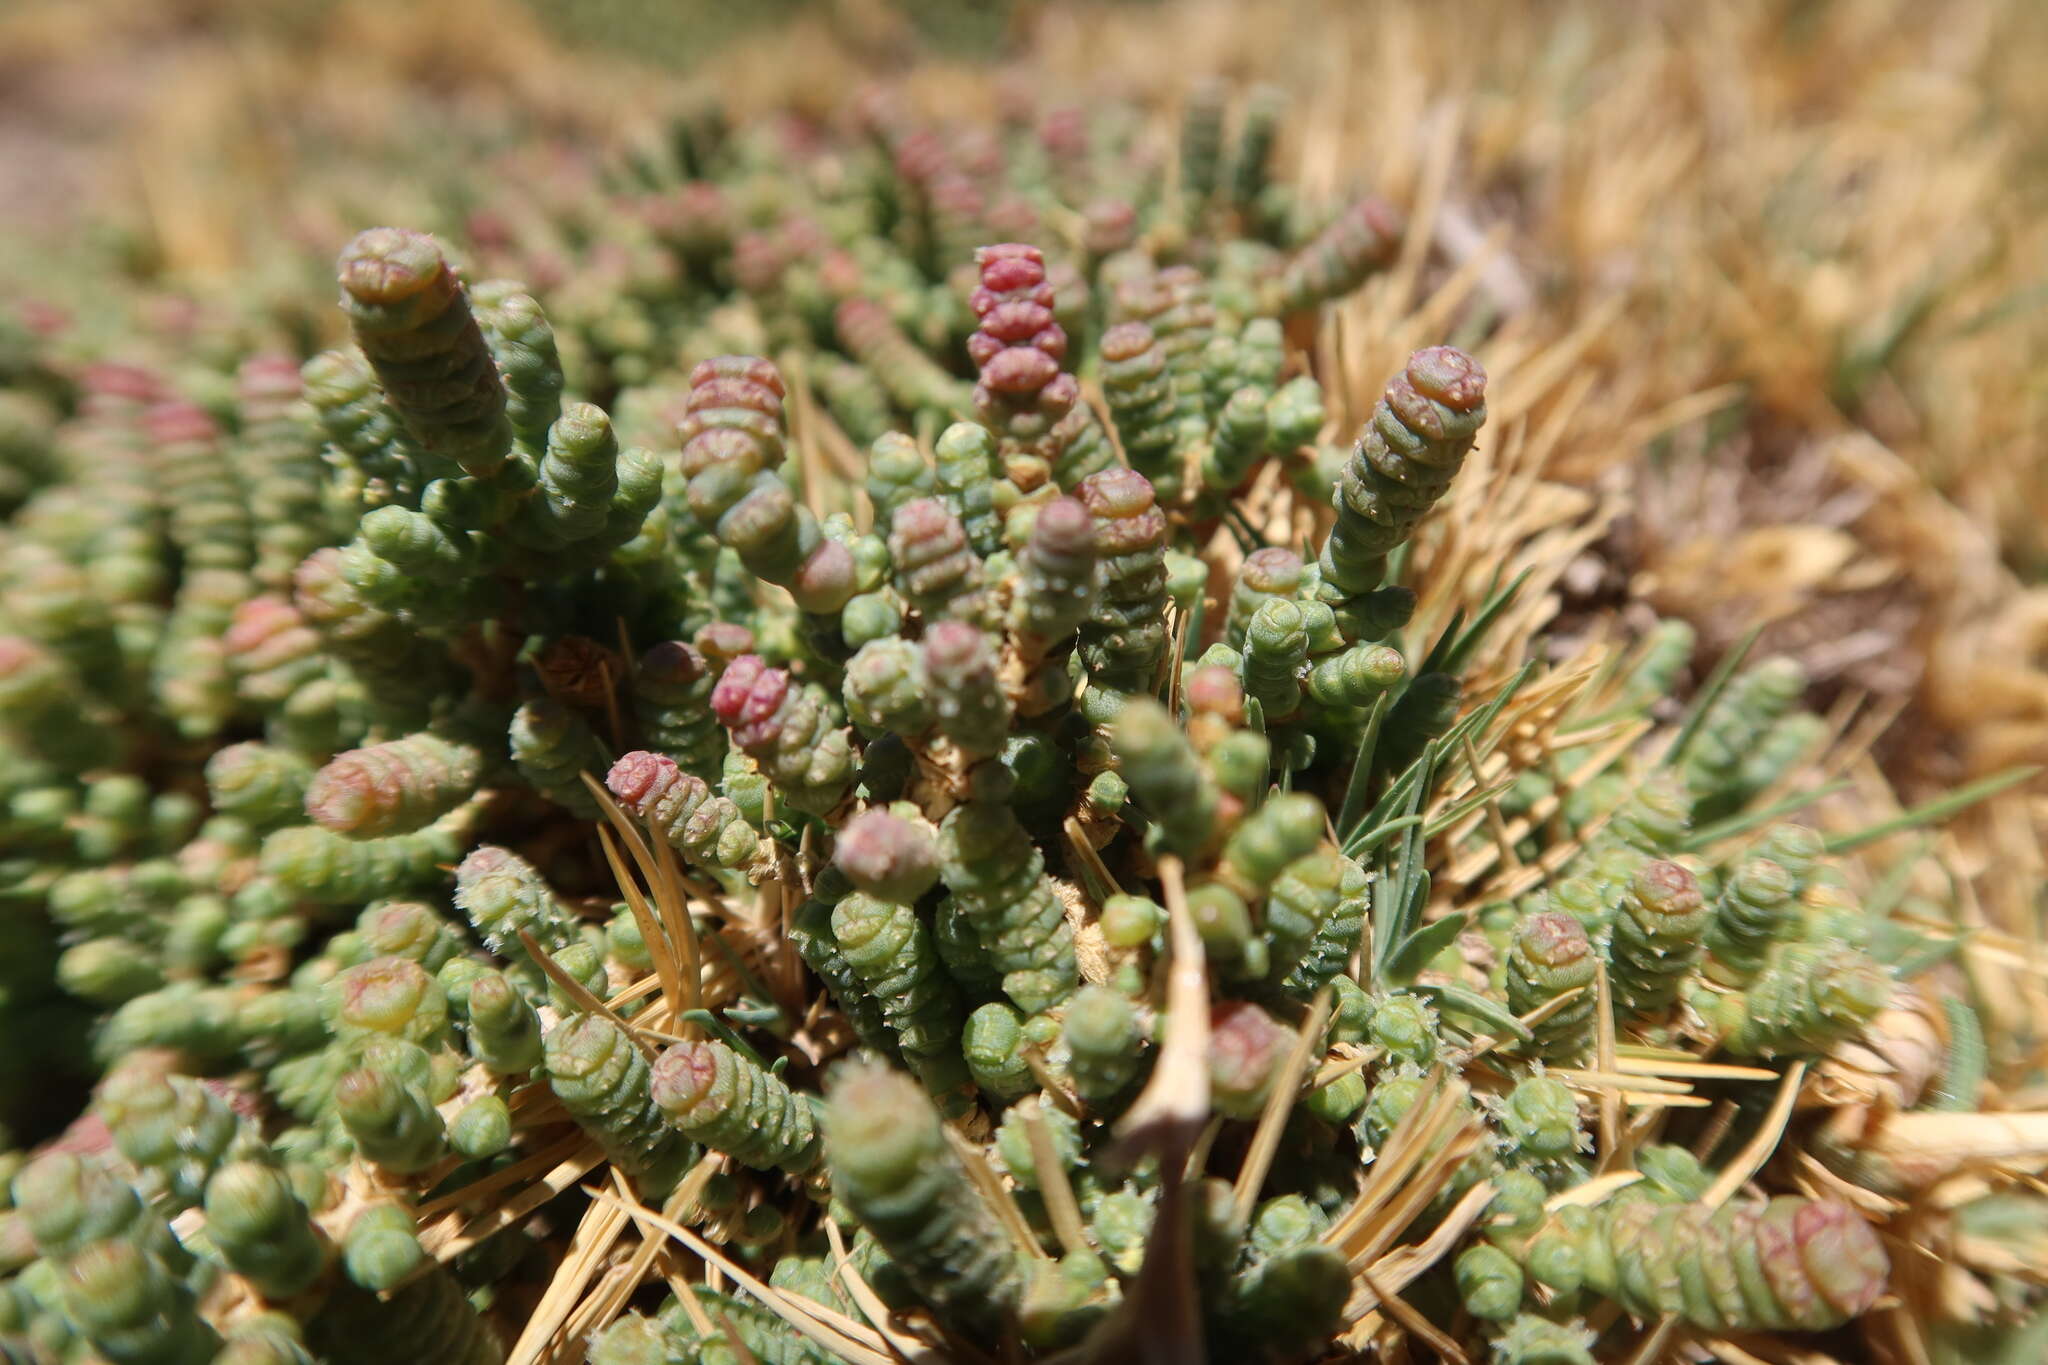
<point>1533,1340</point>
<point>730,1103</point>
<point>810,929</point>
<point>260,1228</point>
<point>993,1042</point>
<point>1285,828</point>
<point>891,1165</point>
<point>1756,909</point>
<point>528,363</point>
<point>915,382</point>
<point>966,473</point>
<point>892,951</point>
<point>1788,1265</point>
<point>788,729</point>
<point>886,688</point>
<point>967,696</point>
<point>132,1310</point>
<point>1024,396</point>
<point>1251,166</point>
<point>898,473</point>
<point>672,703</point>
<point>708,830</point>
<point>1356,678</point>
<point>503,894</point>
<point>553,747</point>
<point>1201,142</point>
<point>381,1247</point>
<point>391,1122</point>
<point>1273,573</point>
<point>1143,404</point>
<point>1364,238</point>
<point>172,1127</point>
<point>260,783</point>
<point>937,570</point>
<point>1275,654</point>
<point>603,1081</point>
<point>1288,1299</point>
<point>1315,917</point>
<point>997,878</point>
<point>1410,450</point>
<point>1166,777</point>
<point>428,1318</point>
<point>1124,640</point>
<point>887,855</point>
<point>733,442</point>
<point>393,787</point>
<point>1656,937</point>
<point>504,1028</point>
<point>1552,955</point>
<point>412,320</point>
<point>1103,1040</point>
<point>319,865</point>
<point>1653,820</point>
<point>1056,577</point>
<point>1489,1283</point>
<point>1811,998</point>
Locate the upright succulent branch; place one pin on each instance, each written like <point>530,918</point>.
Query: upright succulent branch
<point>411,317</point>
<point>1405,458</point>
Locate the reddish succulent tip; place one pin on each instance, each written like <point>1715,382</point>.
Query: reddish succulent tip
<point>886,855</point>
<point>951,647</point>
<point>1116,493</point>
<point>1668,887</point>
<point>483,861</point>
<point>1272,569</point>
<point>1448,375</point>
<point>748,693</point>
<point>1378,217</point>
<point>1245,1047</point>
<point>105,379</point>
<point>386,264</point>
<point>1214,690</point>
<point>1017,321</point>
<point>826,578</point>
<point>1843,1256</point>
<point>683,1075</point>
<point>751,369</point>
<point>1063,527</point>
<point>1555,939</point>
<point>1126,341</point>
<point>920,156</point>
<point>1009,266</point>
<point>638,773</point>
<point>919,520</point>
<point>1018,370</point>
<point>268,378</point>
<point>673,662</point>
<point>17,653</point>
<point>721,641</point>
<point>384,992</point>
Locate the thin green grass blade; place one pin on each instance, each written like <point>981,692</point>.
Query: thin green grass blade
<point>1353,809</point>
<point>1710,691</point>
<point>1933,812</point>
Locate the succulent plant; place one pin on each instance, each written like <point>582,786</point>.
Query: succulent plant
<point>1012,880</point>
